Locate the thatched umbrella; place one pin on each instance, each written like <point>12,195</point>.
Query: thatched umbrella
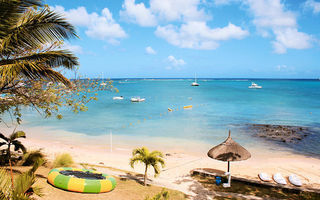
<point>229,150</point>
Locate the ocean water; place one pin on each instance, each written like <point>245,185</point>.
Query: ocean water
<point>218,106</point>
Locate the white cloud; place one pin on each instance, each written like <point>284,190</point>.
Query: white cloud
<point>162,10</point>
<point>149,50</point>
<point>73,48</point>
<point>178,10</point>
<point>284,68</point>
<point>137,13</point>
<point>290,38</point>
<point>224,2</point>
<point>174,63</point>
<point>312,5</point>
<point>101,27</point>
<point>197,35</point>
<point>271,15</point>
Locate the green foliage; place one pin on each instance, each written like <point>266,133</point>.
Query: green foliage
<point>22,187</point>
<point>31,49</point>
<point>154,159</point>
<point>63,160</point>
<point>31,157</point>
<point>12,140</point>
<point>163,195</point>
<point>87,166</point>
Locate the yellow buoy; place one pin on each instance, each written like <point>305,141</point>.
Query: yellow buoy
<point>169,109</point>
<point>186,107</point>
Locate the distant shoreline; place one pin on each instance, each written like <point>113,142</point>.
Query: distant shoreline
<point>199,78</point>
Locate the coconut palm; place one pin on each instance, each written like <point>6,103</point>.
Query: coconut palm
<point>22,187</point>
<point>30,36</point>
<point>12,140</point>
<point>153,159</point>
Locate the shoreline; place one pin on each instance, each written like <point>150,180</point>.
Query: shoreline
<point>178,164</point>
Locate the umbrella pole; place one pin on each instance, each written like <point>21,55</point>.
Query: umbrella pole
<point>228,166</point>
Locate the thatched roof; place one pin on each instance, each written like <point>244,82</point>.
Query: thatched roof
<point>229,150</point>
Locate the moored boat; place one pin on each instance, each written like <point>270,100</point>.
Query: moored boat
<point>137,99</point>
<point>255,86</point>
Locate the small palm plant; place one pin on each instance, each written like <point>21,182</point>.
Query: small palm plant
<point>12,140</point>
<point>153,159</point>
<point>22,187</point>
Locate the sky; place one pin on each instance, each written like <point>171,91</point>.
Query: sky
<point>181,38</point>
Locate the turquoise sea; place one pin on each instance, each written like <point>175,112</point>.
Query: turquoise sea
<point>218,105</point>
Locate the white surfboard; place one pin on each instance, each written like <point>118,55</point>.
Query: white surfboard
<point>278,178</point>
<point>295,180</point>
<point>264,177</point>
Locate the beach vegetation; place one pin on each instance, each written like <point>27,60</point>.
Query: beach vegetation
<point>144,156</point>
<point>11,141</point>
<point>33,60</point>
<point>163,195</point>
<point>31,157</point>
<point>63,160</point>
<point>22,187</point>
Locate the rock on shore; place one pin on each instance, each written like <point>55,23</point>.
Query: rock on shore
<point>281,133</point>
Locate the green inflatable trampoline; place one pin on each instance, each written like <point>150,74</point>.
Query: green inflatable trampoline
<point>81,180</point>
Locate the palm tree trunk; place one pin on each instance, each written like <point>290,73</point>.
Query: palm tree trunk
<point>145,175</point>
<point>8,152</point>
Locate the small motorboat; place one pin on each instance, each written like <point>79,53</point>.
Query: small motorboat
<point>118,98</point>
<point>255,86</point>
<point>137,99</point>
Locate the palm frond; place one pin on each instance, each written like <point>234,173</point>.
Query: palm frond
<point>156,168</point>
<point>18,134</point>
<point>31,70</point>
<point>52,59</point>
<point>140,151</point>
<point>5,184</point>
<point>156,154</point>
<point>36,29</point>
<point>136,159</point>
<point>4,137</point>
<point>18,145</point>
<point>2,143</point>
<point>25,181</point>
<point>11,11</point>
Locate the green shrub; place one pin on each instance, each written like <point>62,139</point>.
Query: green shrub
<point>163,195</point>
<point>63,160</point>
<point>32,156</point>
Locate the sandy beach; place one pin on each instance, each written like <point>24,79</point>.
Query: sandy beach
<point>178,163</point>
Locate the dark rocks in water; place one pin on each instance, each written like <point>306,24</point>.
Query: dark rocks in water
<point>281,133</point>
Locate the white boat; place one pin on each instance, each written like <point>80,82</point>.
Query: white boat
<point>137,99</point>
<point>102,78</point>
<point>195,82</point>
<point>118,98</point>
<point>255,86</point>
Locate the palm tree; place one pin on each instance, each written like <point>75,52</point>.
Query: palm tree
<point>12,140</point>
<point>29,37</point>
<point>22,188</point>
<point>153,159</point>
